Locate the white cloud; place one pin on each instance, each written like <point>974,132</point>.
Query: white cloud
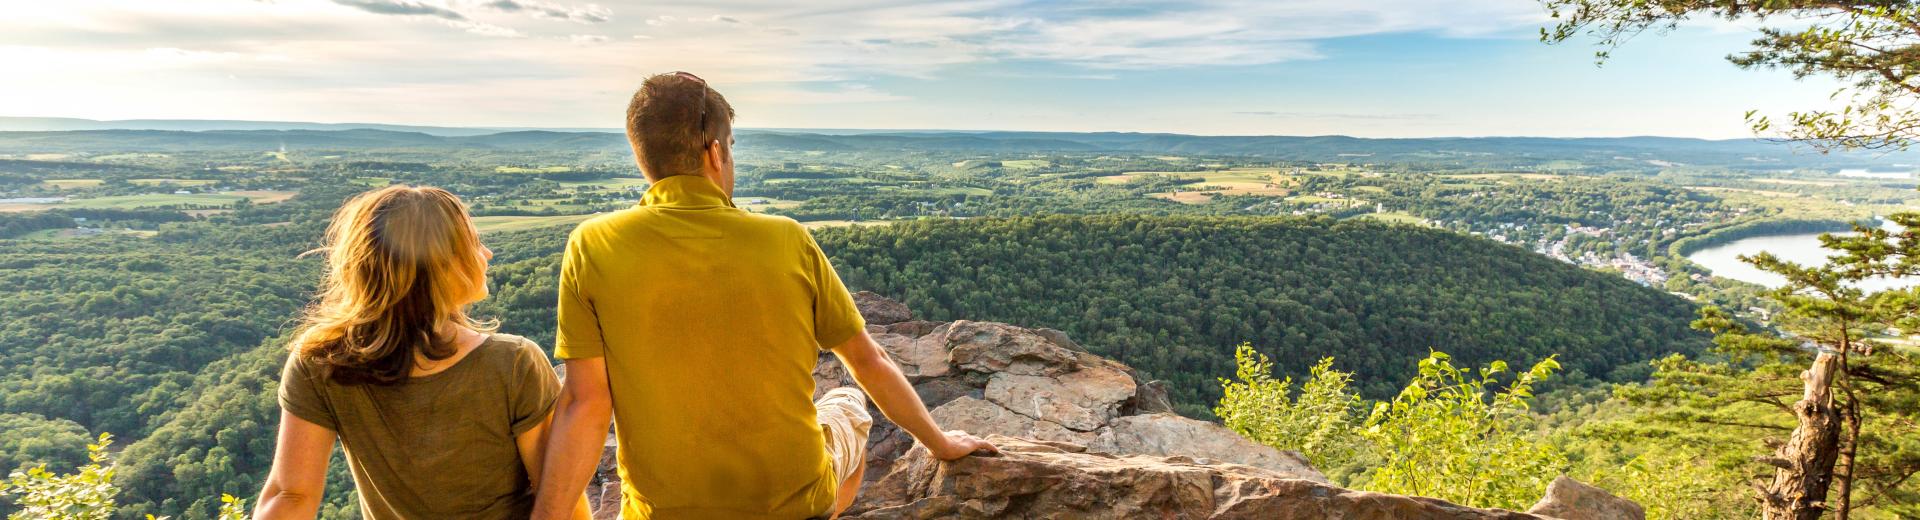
<point>404,8</point>
<point>565,62</point>
<point>589,13</point>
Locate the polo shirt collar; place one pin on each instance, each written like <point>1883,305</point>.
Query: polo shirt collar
<point>685,191</point>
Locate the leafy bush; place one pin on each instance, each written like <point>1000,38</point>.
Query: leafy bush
<point>1453,433</point>
<point>86,494</point>
<point>1321,422</point>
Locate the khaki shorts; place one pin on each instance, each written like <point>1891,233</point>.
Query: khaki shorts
<point>845,423</point>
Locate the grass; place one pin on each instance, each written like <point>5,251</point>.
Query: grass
<point>1187,197</point>
<point>814,224</point>
<point>1236,181</point>
<point>771,203</point>
<point>23,208</point>
<point>68,234</point>
<point>1528,176</point>
<point>849,180</point>
<point>175,182</point>
<point>935,192</point>
<point>264,196</point>
<point>152,200</point>
<point>44,234</point>
<point>495,224</point>
<point>1814,207</point>
<point>1316,199</point>
<point>1394,217</point>
<point>372,181</point>
<point>1026,164</point>
<point>542,169</point>
<point>68,184</point>
<point>611,184</point>
<point>1798,182</point>
<point>1764,193</point>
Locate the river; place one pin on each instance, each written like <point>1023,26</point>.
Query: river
<point>1801,248</point>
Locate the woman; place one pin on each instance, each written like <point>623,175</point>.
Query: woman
<point>440,417</point>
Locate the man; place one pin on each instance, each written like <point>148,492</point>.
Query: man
<point>696,326</point>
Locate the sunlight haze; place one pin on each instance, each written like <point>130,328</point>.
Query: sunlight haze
<point>1377,69</point>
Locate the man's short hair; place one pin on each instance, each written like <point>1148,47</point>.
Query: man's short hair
<point>672,119</point>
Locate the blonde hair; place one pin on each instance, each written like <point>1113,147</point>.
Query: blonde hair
<point>401,262</point>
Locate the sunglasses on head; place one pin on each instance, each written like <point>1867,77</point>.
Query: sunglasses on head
<point>703,97</point>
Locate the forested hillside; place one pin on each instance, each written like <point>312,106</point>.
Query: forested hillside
<point>1174,295</point>
<point>172,342</point>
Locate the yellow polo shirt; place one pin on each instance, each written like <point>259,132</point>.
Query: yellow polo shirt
<point>710,319</point>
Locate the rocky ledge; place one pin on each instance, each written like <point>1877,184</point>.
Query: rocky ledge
<point>1084,437</point>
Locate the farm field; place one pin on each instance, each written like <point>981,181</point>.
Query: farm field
<point>174,182</point>
<point>1527,176</point>
<point>609,184</point>
<point>1765,193</point>
<point>69,184</point>
<point>495,224</point>
<point>150,200</point>
<point>816,224</point>
<point>541,169</point>
<point>1395,217</point>
<point>264,196</point>
<point>1237,181</point>
<point>1795,182</point>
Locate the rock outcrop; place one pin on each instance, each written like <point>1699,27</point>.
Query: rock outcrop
<point>1057,480</point>
<point>1084,437</point>
<point>998,379</point>
<point>1569,499</point>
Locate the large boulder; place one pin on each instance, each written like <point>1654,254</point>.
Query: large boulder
<point>1169,434</point>
<point>879,310</point>
<point>996,378</point>
<point>1083,399</point>
<point>981,417</point>
<point>1059,480</point>
<point>1569,499</point>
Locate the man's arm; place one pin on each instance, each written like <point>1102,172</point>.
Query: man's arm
<point>533,455</point>
<point>876,373</point>
<point>579,433</point>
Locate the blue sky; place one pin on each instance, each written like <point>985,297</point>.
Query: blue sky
<point>1379,68</point>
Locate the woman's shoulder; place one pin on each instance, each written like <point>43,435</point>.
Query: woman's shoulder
<point>513,349</point>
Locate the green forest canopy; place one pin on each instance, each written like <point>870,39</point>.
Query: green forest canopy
<point>1173,295</point>
<point>190,323</point>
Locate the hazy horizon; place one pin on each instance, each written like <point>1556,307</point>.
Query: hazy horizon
<point>8,123</point>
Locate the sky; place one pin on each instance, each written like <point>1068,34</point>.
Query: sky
<point>1371,68</point>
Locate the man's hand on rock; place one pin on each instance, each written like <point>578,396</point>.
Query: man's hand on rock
<point>957,444</point>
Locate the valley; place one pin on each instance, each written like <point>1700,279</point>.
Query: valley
<point>151,277</point>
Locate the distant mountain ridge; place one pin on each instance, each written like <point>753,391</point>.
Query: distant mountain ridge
<point>1602,153</point>
<point>64,124</point>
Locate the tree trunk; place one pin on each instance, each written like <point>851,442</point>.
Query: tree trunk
<point>1805,462</point>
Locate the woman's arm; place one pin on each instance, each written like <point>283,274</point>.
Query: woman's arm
<point>533,454</point>
<point>299,473</point>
